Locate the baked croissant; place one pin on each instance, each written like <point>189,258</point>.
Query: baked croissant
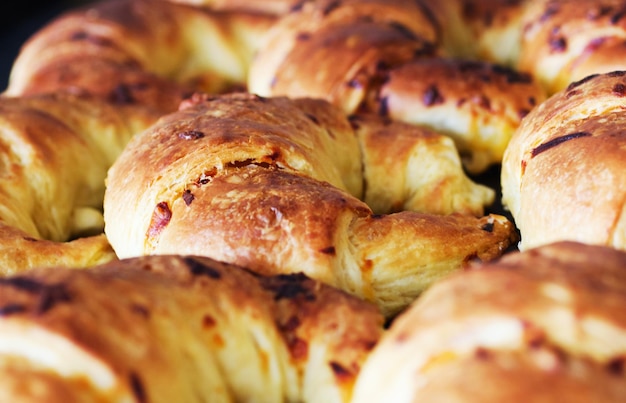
<point>139,52</point>
<point>99,55</point>
<point>564,41</point>
<point>81,87</point>
<point>272,184</point>
<point>386,57</point>
<point>545,324</point>
<point>562,175</point>
<point>184,329</point>
<point>124,63</point>
<point>55,152</point>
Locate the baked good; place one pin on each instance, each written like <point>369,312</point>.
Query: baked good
<point>540,325</point>
<point>562,172</point>
<point>81,87</point>
<point>386,57</point>
<point>479,105</point>
<point>100,53</point>
<point>272,184</point>
<point>56,150</point>
<point>565,41</point>
<point>557,189</point>
<point>139,51</point>
<point>384,45</point>
<point>125,63</point>
<point>163,329</point>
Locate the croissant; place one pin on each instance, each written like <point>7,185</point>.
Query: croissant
<point>562,172</point>
<point>387,57</point>
<point>272,184</point>
<point>319,188</point>
<point>184,329</point>
<point>138,52</point>
<point>541,325</point>
<point>56,150</point>
<point>80,88</point>
<point>564,42</point>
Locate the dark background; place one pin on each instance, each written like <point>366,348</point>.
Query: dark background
<point>19,19</point>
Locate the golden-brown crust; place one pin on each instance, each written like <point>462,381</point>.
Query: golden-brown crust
<point>485,29</point>
<point>131,50</point>
<point>561,172</point>
<point>339,50</point>
<point>479,105</point>
<point>562,43</point>
<point>258,182</point>
<point>345,79</point>
<point>538,375</point>
<point>264,219</point>
<point>46,200</point>
<point>545,322</point>
<point>179,328</point>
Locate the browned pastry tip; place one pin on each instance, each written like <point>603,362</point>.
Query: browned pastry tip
<point>537,325</point>
<point>179,328</point>
<point>427,170</point>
